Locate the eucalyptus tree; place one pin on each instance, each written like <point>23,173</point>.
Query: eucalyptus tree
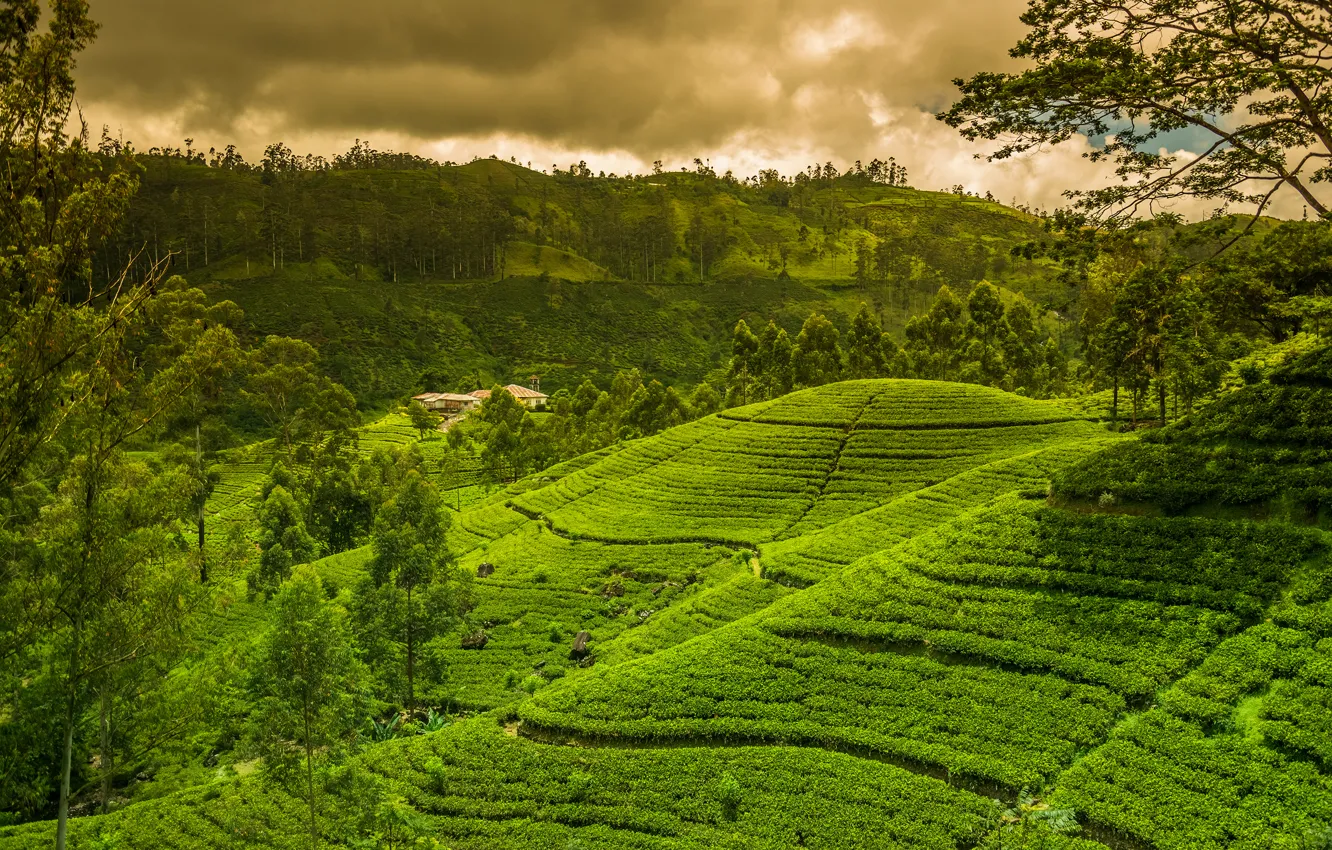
<point>308,683</point>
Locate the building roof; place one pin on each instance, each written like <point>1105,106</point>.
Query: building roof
<point>523,392</point>
<point>429,397</point>
<point>513,390</point>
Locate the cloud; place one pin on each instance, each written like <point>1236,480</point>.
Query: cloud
<point>619,83</point>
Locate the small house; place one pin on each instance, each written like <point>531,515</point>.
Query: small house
<point>531,399</point>
<point>448,403</point>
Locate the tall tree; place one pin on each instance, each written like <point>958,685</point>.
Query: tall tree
<point>423,420</point>
<point>59,202</point>
<point>740,373</point>
<point>864,345</point>
<point>934,340</point>
<point>984,358</point>
<point>102,565</point>
<point>816,358</point>
<point>411,555</point>
<point>1246,76</point>
<point>308,684</point>
<point>284,541</point>
<point>286,389</point>
<point>501,416</point>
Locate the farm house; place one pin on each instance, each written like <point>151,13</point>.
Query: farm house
<point>530,398</point>
<point>448,403</point>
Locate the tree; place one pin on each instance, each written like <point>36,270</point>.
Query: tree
<point>740,373</point>
<point>772,361</point>
<point>816,358</point>
<point>283,540</point>
<point>424,421</point>
<point>288,393</point>
<point>59,204</point>
<point>864,345</point>
<point>779,377</point>
<point>1247,75</point>
<point>307,682</point>
<point>119,588</point>
<point>655,408</point>
<point>183,318</point>
<point>864,262</point>
<point>338,509</point>
<point>1021,344</point>
<point>1256,285</point>
<point>501,416</point>
<point>703,401</point>
<point>984,358</point>
<point>1143,304</point>
<point>98,584</point>
<point>934,340</point>
<point>451,463</point>
<point>410,555</point>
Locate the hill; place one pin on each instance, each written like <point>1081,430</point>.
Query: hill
<point>456,276</point>
<point>1259,451</point>
<point>847,617</point>
<point>562,563</point>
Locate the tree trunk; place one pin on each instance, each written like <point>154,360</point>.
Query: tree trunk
<point>1161,398</point>
<point>411,622</point>
<point>309,779</point>
<point>104,746</point>
<point>66,762</point>
<point>1114,404</point>
<point>198,456</point>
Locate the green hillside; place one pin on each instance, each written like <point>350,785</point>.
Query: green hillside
<point>460,275</point>
<point>847,617</point>
<point>782,511</point>
<point>1259,451</point>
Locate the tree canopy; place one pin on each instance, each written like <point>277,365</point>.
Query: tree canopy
<point>1249,77</point>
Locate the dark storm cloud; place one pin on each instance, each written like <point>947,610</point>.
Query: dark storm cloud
<point>649,77</point>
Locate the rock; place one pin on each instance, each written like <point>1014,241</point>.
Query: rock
<point>476,640</point>
<point>484,569</point>
<point>580,645</point>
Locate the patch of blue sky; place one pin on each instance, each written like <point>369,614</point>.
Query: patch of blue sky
<point>1194,139</point>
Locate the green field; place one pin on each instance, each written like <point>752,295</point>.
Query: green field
<point>857,604</point>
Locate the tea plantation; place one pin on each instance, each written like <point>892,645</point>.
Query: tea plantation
<point>852,617</point>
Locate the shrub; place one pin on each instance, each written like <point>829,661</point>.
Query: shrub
<point>730,795</point>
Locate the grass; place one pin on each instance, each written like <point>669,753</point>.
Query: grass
<point>858,604</point>
<point>995,647</point>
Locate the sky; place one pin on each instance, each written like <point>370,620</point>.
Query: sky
<point>745,84</point>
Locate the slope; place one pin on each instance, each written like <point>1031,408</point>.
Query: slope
<point>410,277</point>
<point>942,639</point>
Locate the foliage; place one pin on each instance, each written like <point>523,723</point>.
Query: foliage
<point>410,595</point>
<point>1239,73</point>
<point>1253,448</point>
<point>306,681</point>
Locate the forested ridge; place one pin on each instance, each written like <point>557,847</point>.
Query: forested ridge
<point>849,514</point>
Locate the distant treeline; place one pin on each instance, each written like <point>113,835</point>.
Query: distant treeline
<point>382,215</point>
